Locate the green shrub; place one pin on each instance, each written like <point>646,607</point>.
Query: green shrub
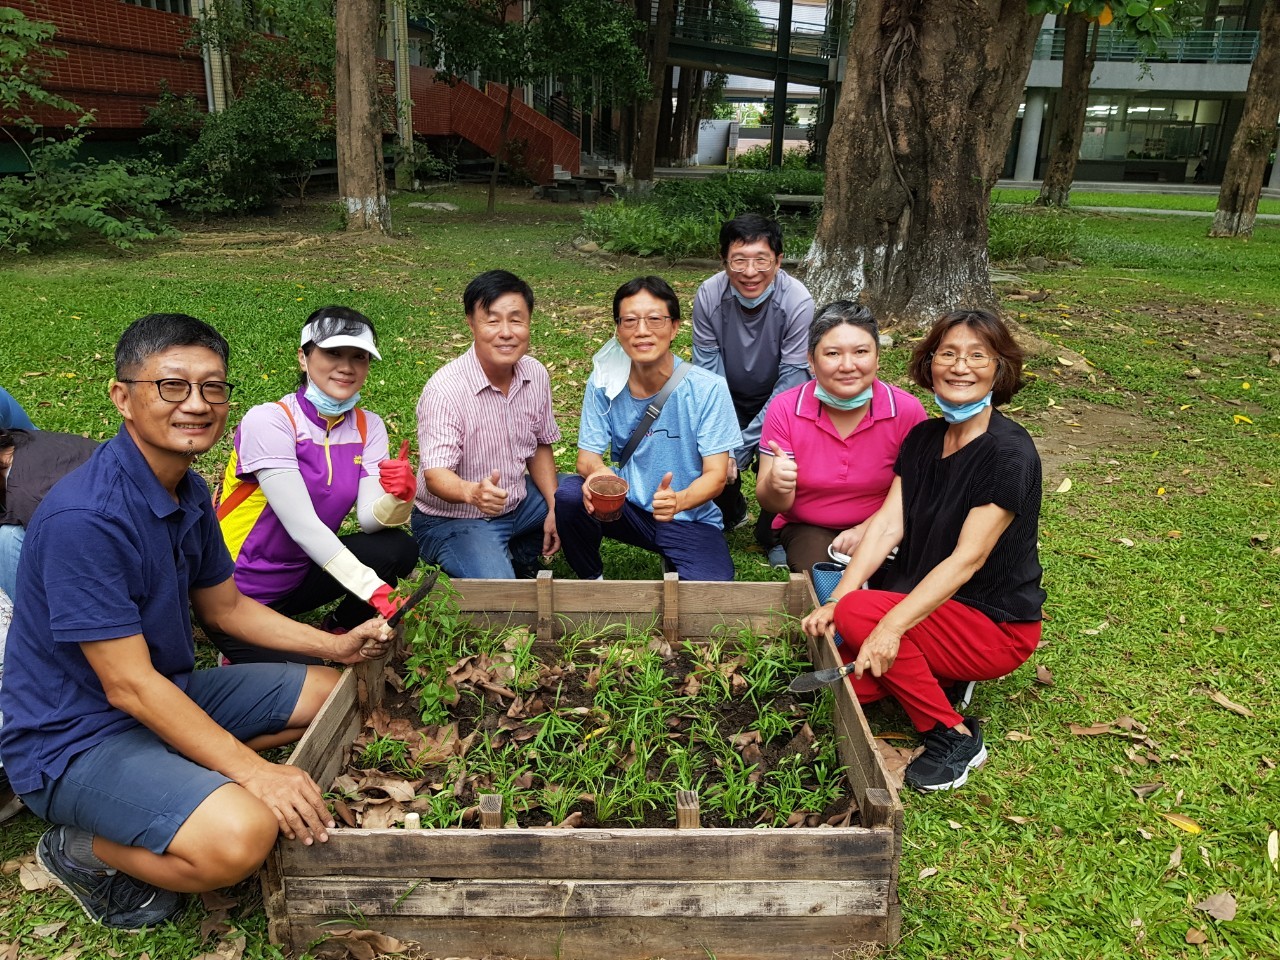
<point>64,197</point>
<point>1016,233</point>
<point>760,158</point>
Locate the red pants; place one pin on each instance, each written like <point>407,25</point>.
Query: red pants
<point>954,643</point>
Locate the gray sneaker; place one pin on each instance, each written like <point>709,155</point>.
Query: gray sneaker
<point>107,896</point>
<point>778,556</point>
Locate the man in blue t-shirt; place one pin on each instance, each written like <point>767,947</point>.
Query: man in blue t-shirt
<point>678,467</point>
<point>148,766</point>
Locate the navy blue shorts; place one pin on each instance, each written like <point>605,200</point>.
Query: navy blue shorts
<point>135,789</point>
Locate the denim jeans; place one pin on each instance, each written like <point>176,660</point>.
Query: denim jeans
<point>486,549</point>
<point>11,537</point>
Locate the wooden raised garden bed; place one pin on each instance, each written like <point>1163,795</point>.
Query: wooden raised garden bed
<point>601,894</point>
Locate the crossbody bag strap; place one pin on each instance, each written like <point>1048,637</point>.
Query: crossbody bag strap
<point>651,413</point>
<point>240,494</point>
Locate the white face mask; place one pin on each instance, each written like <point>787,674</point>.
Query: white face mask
<point>610,368</point>
<point>752,304</point>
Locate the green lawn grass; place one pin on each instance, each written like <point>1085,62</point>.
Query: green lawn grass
<point>1160,559</point>
<point>1204,202</point>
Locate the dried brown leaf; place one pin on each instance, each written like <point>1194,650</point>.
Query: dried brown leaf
<point>1044,675</point>
<point>1144,790</point>
<point>34,877</point>
<point>1017,736</point>
<point>381,816</point>
<point>1221,906</point>
<point>572,821</point>
<point>215,900</point>
<point>47,930</point>
<point>1175,858</point>
<point>1195,936</point>
<point>1093,731</point>
<point>394,788</point>
<point>1221,700</point>
<point>928,872</point>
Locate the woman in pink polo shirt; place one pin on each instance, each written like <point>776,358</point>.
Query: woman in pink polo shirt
<point>828,446</point>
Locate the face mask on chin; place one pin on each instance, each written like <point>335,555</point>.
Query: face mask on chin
<point>960,412</point>
<point>325,405</point>
<point>751,304</point>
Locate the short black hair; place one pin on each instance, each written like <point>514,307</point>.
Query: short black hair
<point>842,311</point>
<point>655,287</point>
<point>748,228</point>
<point>492,284</point>
<point>156,333</point>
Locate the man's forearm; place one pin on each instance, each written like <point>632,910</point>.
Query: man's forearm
<point>542,470</point>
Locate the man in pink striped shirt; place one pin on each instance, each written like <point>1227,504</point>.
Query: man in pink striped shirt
<point>487,477</point>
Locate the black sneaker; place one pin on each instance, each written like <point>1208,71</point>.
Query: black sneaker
<point>107,896</point>
<point>947,759</point>
<point>960,694</point>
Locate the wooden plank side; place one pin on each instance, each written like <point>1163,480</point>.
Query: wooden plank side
<point>686,938</point>
<point>373,897</point>
<point>844,853</point>
<point>321,749</point>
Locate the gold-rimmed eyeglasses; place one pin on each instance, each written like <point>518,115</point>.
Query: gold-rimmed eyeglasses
<point>653,323</point>
<point>974,361</point>
<point>743,264</point>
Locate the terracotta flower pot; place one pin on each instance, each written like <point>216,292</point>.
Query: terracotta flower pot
<point>608,494</point>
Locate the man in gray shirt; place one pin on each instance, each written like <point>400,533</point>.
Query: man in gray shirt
<point>751,326</point>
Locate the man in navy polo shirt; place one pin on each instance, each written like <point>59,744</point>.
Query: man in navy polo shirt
<point>149,767</point>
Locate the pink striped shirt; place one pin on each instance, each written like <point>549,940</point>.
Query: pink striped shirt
<point>467,425</point>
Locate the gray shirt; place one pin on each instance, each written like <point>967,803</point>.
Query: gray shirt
<point>761,353</point>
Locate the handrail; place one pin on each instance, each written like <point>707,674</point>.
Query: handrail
<point>1194,46</point>
<point>732,29</point>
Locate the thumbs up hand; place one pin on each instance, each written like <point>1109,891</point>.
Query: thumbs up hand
<point>783,472</point>
<point>398,477</point>
<point>488,497</point>
<point>666,502</point>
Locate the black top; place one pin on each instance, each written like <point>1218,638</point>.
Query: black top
<point>40,459</point>
<point>1000,467</point>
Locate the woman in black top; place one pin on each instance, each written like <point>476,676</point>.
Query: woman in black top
<point>962,600</point>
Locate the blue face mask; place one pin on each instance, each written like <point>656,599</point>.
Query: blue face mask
<point>325,405</point>
<point>960,412</point>
<point>752,304</point>
<point>852,403</point>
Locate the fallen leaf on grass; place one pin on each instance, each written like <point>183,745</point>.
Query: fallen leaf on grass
<point>1125,541</point>
<point>33,876</point>
<point>1175,858</point>
<point>8,951</point>
<point>954,825</point>
<point>1017,736</point>
<point>1182,821</point>
<point>1221,906</point>
<point>1096,730</point>
<point>1019,820</point>
<point>1273,850</point>
<point>1044,675</point>
<point>1144,790</point>
<point>928,872</point>
<point>360,945</point>
<point>48,930</point>
<point>1195,936</point>
<point>1064,486</point>
<point>1221,700</point>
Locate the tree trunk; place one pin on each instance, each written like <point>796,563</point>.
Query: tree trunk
<point>1078,56</point>
<point>1255,137</point>
<point>503,130</point>
<point>647,129</point>
<point>680,118</point>
<point>920,134</point>
<point>662,150</point>
<point>362,181</point>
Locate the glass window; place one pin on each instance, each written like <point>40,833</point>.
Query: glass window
<point>165,6</point>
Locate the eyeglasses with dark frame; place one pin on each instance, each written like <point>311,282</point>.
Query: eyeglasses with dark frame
<point>974,361</point>
<point>653,323</point>
<point>173,390</point>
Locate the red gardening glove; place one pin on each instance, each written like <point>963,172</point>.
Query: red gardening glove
<point>398,477</point>
<point>384,602</point>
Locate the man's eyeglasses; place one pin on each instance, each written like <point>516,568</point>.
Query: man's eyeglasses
<point>216,392</point>
<point>743,264</point>
<point>653,323</point>
<point>974,361</point>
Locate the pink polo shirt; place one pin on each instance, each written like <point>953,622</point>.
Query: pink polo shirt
<point>839,481</point>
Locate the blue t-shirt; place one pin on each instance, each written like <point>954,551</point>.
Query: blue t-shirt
<point>12,416</point>
<point>108,554</point>
<point>696,421</point>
